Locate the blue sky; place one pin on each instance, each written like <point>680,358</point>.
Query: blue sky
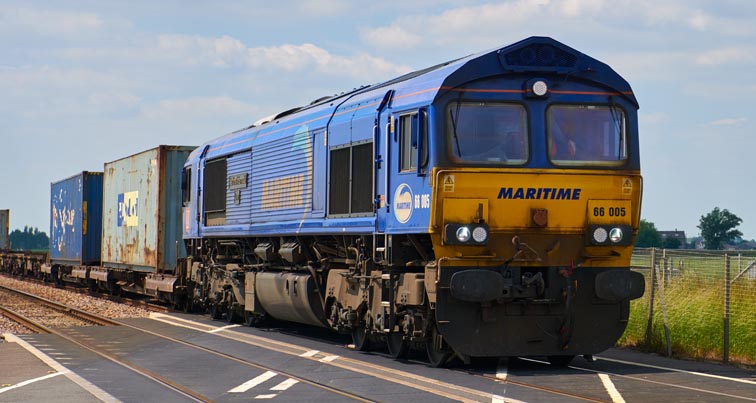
<point>85,82</point>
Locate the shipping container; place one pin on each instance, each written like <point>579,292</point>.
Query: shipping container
<point>76,219</point>
<point>4,229</point>
<point>141,227</point>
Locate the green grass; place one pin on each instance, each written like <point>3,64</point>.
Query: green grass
<point>694,304</point>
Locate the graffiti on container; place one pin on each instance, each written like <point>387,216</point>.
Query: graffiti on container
<point>128,214</point>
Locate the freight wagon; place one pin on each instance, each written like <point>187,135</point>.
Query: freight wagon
<point>75,227</point>
<point>119,230</point>
<point>4,230</point>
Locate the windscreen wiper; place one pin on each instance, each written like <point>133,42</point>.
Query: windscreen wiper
<point>454,128</point>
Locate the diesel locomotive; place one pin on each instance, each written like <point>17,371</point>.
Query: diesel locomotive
<point>482,207</point>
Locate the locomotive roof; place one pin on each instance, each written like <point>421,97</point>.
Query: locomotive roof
<point>532,55</point>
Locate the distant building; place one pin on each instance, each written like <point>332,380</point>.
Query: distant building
<point>748,245</point>
<point>668,236</point>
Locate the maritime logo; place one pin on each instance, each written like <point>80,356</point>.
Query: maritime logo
<point>403,203</point>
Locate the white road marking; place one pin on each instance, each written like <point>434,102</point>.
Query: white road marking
<point>220,329</point>
<point>726,378</point>
<point>253,382</point>
<point>30,381</point>
<point>328,358</point>
<point>266,396</point>
<point>406,379</point>
<point>88,386</point>
<point>502,369</point>
<point>611,389</point>
<point>285,384</point>
<point>310,353</point>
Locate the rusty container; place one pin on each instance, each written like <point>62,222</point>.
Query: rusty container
<point>4,229</point>
<point>76,219</point>
<point>141,218</point>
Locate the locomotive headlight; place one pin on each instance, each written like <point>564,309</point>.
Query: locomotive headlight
<point>615,235</point>
<point>540,88</point>
<point>463,234</point>
<point>480,234</point>
<point>600,235</point>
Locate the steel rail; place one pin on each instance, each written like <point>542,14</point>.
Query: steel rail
<point>86,316</point>
<point>65,309</point>
<point>23,320</point>
<point>242,361</point>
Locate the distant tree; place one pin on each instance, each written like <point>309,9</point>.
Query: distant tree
<point>671,243</point>
<point>718,227</point>
<point>29,238</point>
<point>648,236</point>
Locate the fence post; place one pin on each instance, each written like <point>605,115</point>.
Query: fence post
<point>726,352</point>
<point>650,321</point>
<point>660,284</point>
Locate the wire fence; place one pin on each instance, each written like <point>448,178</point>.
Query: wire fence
<point>697,304</point>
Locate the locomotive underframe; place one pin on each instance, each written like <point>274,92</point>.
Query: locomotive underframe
<point>393,290</point>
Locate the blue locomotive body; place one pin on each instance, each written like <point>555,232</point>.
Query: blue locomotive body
<point>455,208</point>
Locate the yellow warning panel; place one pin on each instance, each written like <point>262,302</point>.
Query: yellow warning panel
<point>449,183</point>
<point>627,186</point>
<point>465,211</point>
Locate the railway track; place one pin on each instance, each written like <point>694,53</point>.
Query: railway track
<point>135,302</point>
<point>438,384</point>
<point>18,300</point>
<point>42,314</point>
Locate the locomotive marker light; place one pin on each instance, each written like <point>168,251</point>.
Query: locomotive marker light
<point>615,235</point>
<point>466,234</point>
<point>610,235</point>
<point>463,234</point>
<point>480,234</point>
<point>536,88</point>
<point>540,88</point>
<point>599,235</point>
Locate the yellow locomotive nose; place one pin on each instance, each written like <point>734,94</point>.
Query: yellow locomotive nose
<point>564,218</point>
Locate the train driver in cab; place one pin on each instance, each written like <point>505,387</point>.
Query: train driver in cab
<point>496,136</point>
<point>586,134</point>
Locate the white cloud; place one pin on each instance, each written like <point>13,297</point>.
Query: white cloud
<point>51,22</point>
<point>199,107</point>
<point>729,121</point>
<point>728,55</point>
<point>53,92</point>
<point>56,78</point>
<point>539,17</point>
<point>226,51</point>
<point>390,35</point>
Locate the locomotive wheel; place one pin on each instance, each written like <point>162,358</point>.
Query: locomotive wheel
<point>360,339</point>
<point>437,355</point>
<point>188,305</point>
<point>397,345</point>
<point>232,316</point>
<point>560,360</point>
<point>252,320</point>
<point>216,313</point>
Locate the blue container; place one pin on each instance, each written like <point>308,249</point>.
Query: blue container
<point>76,219</point>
